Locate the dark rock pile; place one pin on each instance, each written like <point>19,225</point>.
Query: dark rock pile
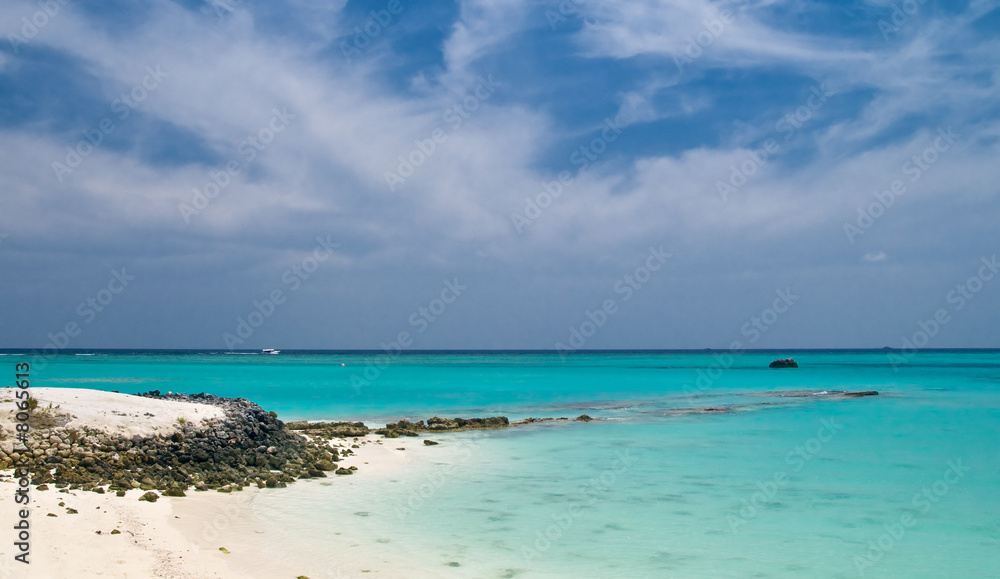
<point>248,446</point>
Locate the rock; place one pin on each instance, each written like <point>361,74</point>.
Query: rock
<point>174,491</point>
<point>343,471</point>
<point>330,429</point>
<point>583,418</point>
<point>149,496</point>
<point>430,443</point>
<point>859,394</point>
<point>115,532</point>
<point>784,363</point>
<point>437,423</point>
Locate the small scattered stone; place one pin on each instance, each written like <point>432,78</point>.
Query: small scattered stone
<point>224,550</point>
<point>116,532</point>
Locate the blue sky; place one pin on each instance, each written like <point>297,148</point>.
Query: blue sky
<point>364,157</point>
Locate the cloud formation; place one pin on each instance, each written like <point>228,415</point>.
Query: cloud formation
<point>755,140</point>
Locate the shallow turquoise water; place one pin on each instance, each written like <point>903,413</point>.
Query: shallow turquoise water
<point>906,484</point>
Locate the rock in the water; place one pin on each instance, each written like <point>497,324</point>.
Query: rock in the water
<point>583,418</point>
<point>859,394</point>
<point>343,471</point>
<point>430,443</point>
<point>784,363</point>
<point>407,428</point>
<point>438,423</point>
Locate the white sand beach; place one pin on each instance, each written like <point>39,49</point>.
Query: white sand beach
<point>178,537</point>
<point>111,412</point>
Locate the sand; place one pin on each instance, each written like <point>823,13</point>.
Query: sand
<point>111,412</point>
<point>177,537</point>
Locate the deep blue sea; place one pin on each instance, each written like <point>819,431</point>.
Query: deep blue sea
<point>781,479</point>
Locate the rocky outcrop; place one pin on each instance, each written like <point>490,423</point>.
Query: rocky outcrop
<point>330,430</point>
<point>248,446</point>
<point>438,424</point>
<point>784,363</point>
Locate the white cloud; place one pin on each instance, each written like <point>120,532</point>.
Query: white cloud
<point>325,173</point>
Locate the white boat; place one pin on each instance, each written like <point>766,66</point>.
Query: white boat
<point>269,351</point>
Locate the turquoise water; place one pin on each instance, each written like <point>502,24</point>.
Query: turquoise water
<point>905,484</point>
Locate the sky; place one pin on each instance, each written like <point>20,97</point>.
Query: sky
<point>499,174</point>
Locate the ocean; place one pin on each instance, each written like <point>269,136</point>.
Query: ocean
<point>781,478</point>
